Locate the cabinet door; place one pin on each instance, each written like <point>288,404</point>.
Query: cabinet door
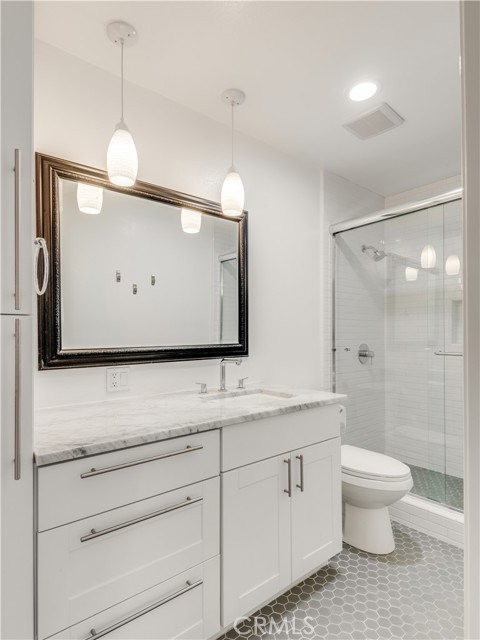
<point>16,158</point>
<point>16,478</point>
<point>256,561</point>
<point>317,509</point>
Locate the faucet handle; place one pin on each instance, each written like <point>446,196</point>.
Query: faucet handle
<point>240,382</point>
<point>203,387</point>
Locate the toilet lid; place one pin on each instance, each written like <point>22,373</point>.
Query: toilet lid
<point>368,464</point>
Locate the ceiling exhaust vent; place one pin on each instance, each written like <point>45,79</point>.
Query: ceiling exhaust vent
<point>378,120</point>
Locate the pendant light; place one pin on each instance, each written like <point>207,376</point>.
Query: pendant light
<point>191,221</point>
<point>89,198</point>
<point>233,194</point>
<point>428,259</point>
<point>122,159</point>
<point>452,265</point>
<point>411,274</point>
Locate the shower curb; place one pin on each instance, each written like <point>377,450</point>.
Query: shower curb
<point>433,519</point>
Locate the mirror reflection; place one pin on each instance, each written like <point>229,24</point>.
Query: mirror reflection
<point>141,273</point>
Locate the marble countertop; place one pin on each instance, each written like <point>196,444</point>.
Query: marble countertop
<point>75,431</point>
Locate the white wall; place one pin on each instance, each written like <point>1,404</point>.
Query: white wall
<point>76,108</point>
<point>426,191</point>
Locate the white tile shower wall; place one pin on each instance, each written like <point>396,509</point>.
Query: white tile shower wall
<point>76,105</point>
<point>424,399</point>
<point>360,320</point>
<point>342,200</point>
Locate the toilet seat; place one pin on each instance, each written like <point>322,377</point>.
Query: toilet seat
<point>369,465</point>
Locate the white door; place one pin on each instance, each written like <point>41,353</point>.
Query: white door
<point>16,559</point>
<point>16,158</point>
<point>256,560</point>
<point>316,506</point>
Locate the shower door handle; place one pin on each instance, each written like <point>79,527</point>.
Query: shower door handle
<point>448,353</point>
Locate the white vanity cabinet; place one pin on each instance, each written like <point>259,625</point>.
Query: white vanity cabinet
<point>281,505</point>
<point>16,194</point>
<point>127,540</point>
<point>16,294</point>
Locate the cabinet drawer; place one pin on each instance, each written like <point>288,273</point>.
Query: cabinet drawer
<point>80,488</point>
<point>187,606</point>
<point>260,439</point>
<point>89,565</point>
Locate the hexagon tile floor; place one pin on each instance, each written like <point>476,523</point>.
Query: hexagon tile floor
<point>414,593</point>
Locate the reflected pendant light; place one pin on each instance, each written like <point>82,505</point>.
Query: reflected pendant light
<point>233,194</point>
<point>191,221</point>
<point>89,198</point>
<point>428,259</point>
<point>411,274</point>
<point>122,159</point>
<point>452,265</point>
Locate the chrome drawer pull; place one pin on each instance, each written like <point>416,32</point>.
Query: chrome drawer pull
<point>94,635</point>
<point>288,491</point>
<point>125,465</point>
<point>448,353</point>
<point>18,405</point>
<point>301,486</point>
<point>16,212</point>
<point>96,534</point>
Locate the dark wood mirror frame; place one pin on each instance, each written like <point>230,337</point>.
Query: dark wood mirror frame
<point>51,354</point>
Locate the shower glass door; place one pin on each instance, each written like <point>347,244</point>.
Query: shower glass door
<point>398,290</point>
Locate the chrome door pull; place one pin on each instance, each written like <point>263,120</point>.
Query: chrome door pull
<point>289,490</point>
<point>448,353</point>
<point>17,212</point>
<point>41,246</point>
<point>96,534</point>
<point>94,635</point>
<point>134,463</point>
<point>18,405</point>
<point>301,486</point>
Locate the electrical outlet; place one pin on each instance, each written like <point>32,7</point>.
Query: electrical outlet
<point>117,379</point>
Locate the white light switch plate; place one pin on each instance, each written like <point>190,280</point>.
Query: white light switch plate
<point>117,379</point>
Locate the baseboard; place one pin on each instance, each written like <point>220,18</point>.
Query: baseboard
<point>433,519</point>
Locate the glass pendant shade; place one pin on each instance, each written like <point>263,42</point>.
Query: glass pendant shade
<point>428,259</point>
<point>122,158</point>
<point>191,221</point>
<point>411,274</point>
<point>452,265</point>
<point>233,194</point>
<point>89,198</point>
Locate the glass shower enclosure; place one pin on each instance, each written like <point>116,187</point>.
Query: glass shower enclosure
<point>398,342</point>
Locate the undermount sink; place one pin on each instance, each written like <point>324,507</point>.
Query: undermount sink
<point>248,396</point>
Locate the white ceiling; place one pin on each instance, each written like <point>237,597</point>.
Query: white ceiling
<point>295,61</point>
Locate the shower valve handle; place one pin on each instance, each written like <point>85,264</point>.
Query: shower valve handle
<point>364,353</point>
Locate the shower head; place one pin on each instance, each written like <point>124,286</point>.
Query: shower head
<point>377,254</point>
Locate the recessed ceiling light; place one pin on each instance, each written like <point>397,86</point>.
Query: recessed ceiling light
<point>362,91</point>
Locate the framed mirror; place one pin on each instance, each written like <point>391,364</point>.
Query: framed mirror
<point>137,274</point>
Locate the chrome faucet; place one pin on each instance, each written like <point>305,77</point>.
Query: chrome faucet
<point>223,362</point>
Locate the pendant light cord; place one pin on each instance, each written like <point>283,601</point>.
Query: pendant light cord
<point>121,75</point>
<point>233,106</point>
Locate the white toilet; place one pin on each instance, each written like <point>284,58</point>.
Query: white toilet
<point>371,482</point>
